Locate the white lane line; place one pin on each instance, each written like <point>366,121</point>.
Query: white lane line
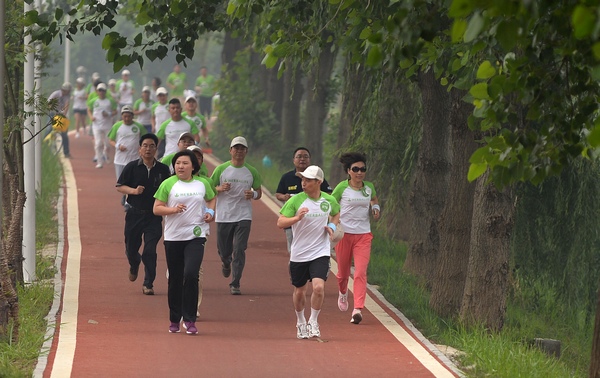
<point>65,351</point>
<point>417,348</point>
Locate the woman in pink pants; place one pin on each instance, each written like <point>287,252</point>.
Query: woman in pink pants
<point>357,199</point>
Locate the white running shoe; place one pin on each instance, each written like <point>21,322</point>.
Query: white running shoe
<point>302,331</point>
<point>313,329</point>
<point>356,316</point>
<point>76,134</point>
<point>99,165</point>
<point>343,301</point>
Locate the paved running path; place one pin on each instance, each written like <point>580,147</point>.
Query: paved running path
<point>106,327</point>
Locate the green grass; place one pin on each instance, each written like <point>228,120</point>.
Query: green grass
<point>18,359</point>
<point>505,354</point>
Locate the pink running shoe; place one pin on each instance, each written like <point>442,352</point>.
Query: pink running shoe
<point>343,301</point>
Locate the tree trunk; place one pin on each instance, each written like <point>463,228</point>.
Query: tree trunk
<point>356,83</point>
<point>317,90</point>
<point>231,46</point>
<point>486,286</point>
<point>429,189</point>
<point>595,360</point>
<point>290,112</point>
<point>455,222</point>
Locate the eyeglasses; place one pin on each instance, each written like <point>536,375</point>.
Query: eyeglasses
<point>148,146</point>
<point>356,169</point>
<point>302,156</point>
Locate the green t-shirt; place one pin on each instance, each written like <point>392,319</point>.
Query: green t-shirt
<point>178,81</point>
<point>207,85</point>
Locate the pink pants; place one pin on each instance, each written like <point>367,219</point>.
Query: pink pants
<point>359,247</point>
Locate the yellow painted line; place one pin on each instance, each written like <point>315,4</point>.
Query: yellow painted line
<point>67,337</point>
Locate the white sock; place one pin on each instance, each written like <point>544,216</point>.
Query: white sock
<point>314,315</point>
<point>300,317</point>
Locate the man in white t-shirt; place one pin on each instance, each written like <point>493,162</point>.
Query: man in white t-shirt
<point>172,128</point>
<point>313,216</point>
<point>237,183</point>
<point>101,110</point>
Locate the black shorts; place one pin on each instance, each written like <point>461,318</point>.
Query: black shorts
<point>302,272</point>
<point>80,111</point>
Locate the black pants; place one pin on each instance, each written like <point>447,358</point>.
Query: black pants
<point>140,224</point>
<point>183,260</point>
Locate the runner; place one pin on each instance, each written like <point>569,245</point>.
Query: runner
<point>313,216</point>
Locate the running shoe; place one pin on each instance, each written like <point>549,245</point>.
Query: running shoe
<point>343,301</point>
<point>235,290</point>
<point>313,329</point>
<point>356,316</point>
<point>225,269</point>
<point>174,327</point>
<point>302,331</point>
<point>190,328</point>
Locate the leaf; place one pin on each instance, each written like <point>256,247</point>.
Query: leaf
<point>143,18</point>
<point>485,70</point>
<point>230,8</point>
<point>444,81</point>
<point>58,13</point>
<point>459,26</point>
<point>375,56</point>
<point>475,26</point>
<point>507,34</point>
<point>108,40</point>
<point>596,50</point>
<point>594,137</point>
<point>479,91</point>
<point>460,8</point>
<point>583,21</point>
<point>365,33</point>
<point>476,170</point>
<point>269,60</point>
<point>31,18</point>
<point>281,50</point>
<point>375,38</point>
<point>138,39</point>
<point>405,63</point>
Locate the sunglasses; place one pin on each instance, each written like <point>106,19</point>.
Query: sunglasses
<point>356,169</point>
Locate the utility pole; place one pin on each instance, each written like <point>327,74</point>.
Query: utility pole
<point>28,249</point>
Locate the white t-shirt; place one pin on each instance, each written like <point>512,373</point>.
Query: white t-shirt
<point>193,194</point>
<point>311,240</point>
<point>171,130</point>
<point>126,92</point>
<point>102,111</point>
<point>355,204</point>
<point>128,136</point>
<point>161,113</point>
<point>144,117</point>
<point>80,99</point>
<point>233,205</point>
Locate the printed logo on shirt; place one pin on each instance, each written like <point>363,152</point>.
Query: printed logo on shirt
<point>325,206</point>
<point>190,194</point>
<point>134,129</point>
<point>293,187</point>
<point>197,231</point>
<point>366,191</point>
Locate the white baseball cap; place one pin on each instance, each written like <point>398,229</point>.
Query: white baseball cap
<point>195,148</point>
<point>101,86</point>
<point>186,135</point>
<point>238,140</point>
<point>188,98</point>
<point>126,109</point>
<point>125,72</point>
<point>112,82</point>
<point>312,172</point>
<point>146,89</point>
<point>162,90</point>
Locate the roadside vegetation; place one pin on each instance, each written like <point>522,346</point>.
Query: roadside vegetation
<point>19,359</point>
